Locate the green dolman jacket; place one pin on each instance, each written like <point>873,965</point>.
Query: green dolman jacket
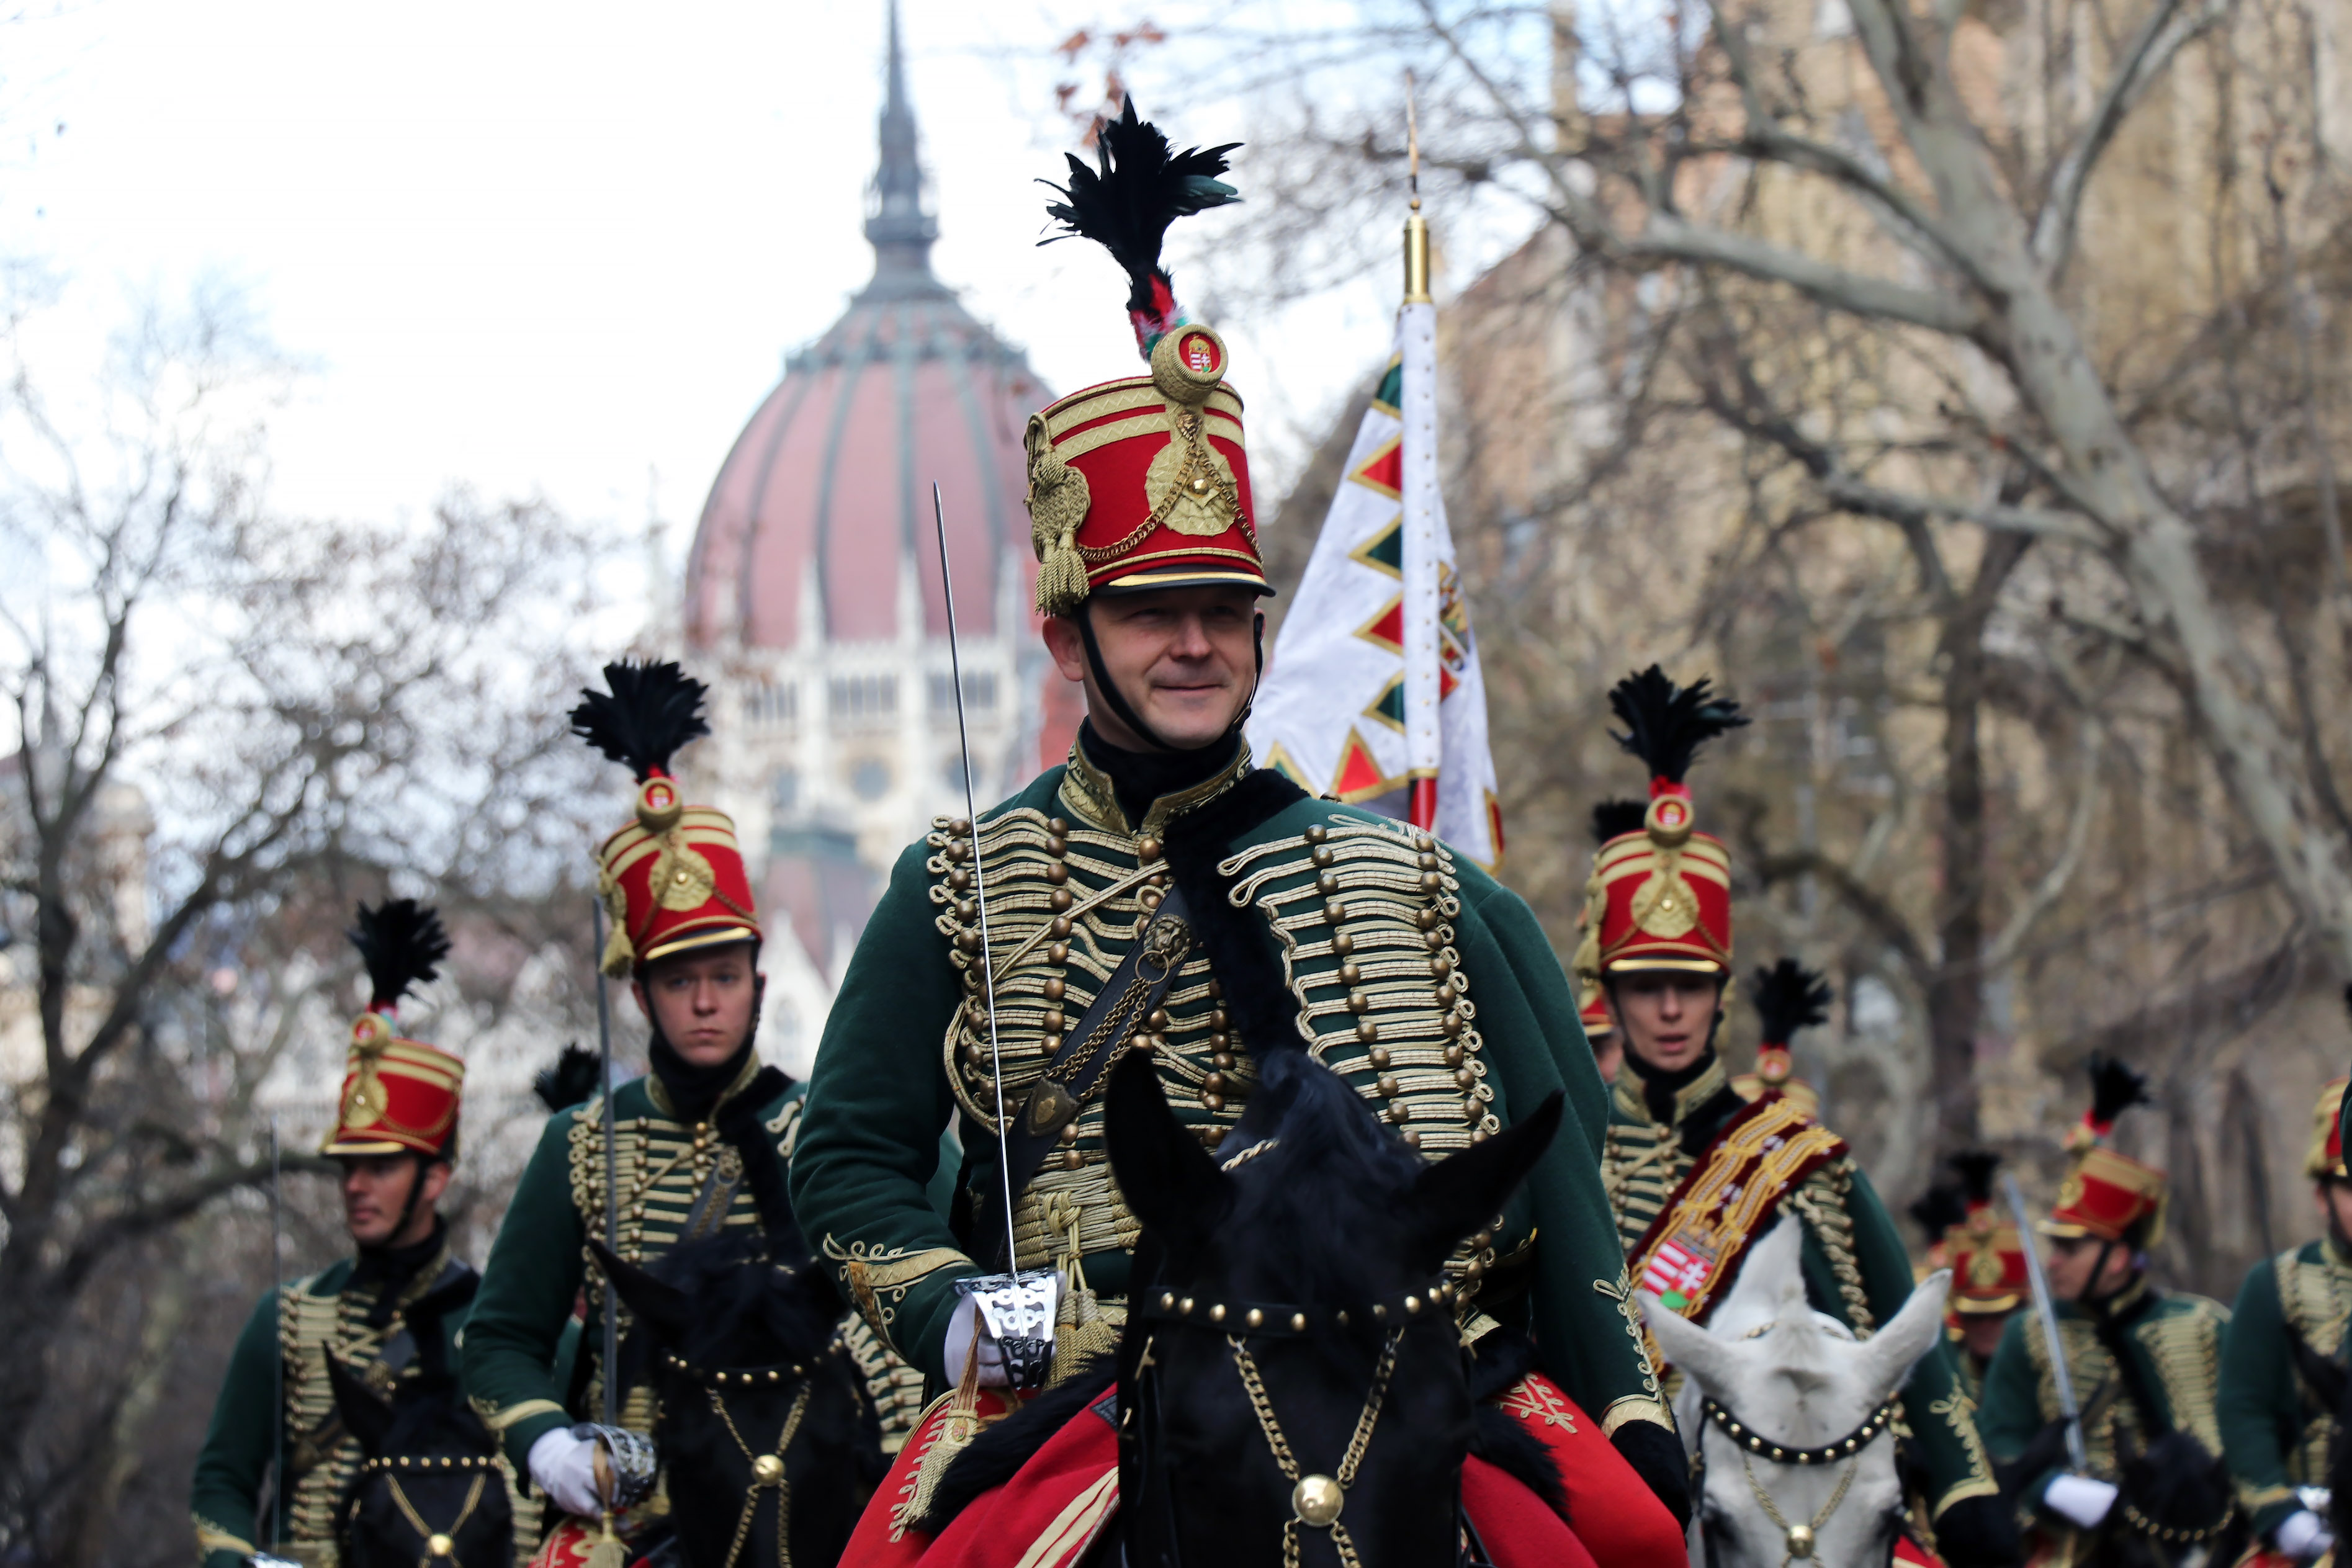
<point>1856,1269</point>
<point>313,1316</point>
<point>2175,1342</point>
<point>2273,1430</point>
<point>540,1262</point>
<point>1406,970</point>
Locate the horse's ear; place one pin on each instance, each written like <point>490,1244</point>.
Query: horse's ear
<point>1713,1362</point>
<point>367,1415</point>
<point>1908,1335</point>
<point>1166,1178</point>
<point>1463,1192</point>
<point>663,1308</point>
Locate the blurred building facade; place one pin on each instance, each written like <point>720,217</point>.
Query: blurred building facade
<point>812,599</point>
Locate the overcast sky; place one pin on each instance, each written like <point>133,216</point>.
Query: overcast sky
<point>561,249</point>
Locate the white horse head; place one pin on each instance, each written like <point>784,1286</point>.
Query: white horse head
<point>1770,1375</point>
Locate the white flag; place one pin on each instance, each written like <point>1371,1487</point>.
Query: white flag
<point>1373,691</point>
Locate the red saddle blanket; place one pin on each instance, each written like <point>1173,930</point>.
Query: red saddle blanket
<point>1067,1494</point>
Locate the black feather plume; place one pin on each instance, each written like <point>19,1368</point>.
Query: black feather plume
<point>402,944</point>
<point>569,1081</point>
<point>1937,1209</point>
<point>1137,187</point>
<point>652,710</point>
<point>2115,1088</point>
<point>1615,819</point>
<point>1790,997</point>
<point>1667,724</point>
<point>1976,1167</point>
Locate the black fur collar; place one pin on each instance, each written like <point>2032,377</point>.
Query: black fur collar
<point>1240,948</point>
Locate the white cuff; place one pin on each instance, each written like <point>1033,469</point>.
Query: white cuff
<point>565,1466</point>
<point>2083,1501</point>
<point>2302,1535</point>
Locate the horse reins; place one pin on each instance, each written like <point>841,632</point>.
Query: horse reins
<point>1799,1539</point>
<point>767,1470</point>
<point>439,1543</point>
<point>1316,1500</point>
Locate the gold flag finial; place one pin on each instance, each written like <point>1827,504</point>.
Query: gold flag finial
<point>1416,227</point>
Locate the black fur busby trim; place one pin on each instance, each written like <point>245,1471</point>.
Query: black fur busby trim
<point>651,711</point>
<point>1976,1167</point>
<point>2115,1088</point>
<point>1667,724</point>
<point>402,944</point>
<point>1790,997</point>
<point>1137,187</point>
<point>1240,948</point>
<point>1615,819</point>
<point>568,1081</point>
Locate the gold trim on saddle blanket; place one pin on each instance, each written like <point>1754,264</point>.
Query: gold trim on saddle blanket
<point>1693,1249</point>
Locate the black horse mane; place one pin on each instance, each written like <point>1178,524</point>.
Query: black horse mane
<point>750,1306</point>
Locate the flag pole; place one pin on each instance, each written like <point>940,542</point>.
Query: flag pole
<point>1419,542</point>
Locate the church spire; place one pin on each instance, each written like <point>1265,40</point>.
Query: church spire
<point>898,227</point>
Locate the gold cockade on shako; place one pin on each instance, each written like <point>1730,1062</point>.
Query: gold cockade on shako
<point>1664,904</point>
<point>365,1100</point>
<point>1189,485</point>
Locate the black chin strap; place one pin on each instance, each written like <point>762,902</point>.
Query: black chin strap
<point>1126,714</point>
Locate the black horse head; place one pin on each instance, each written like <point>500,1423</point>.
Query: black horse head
<point>1289,1300</point>
<point>764,1425</point>
<point>430,1490</point>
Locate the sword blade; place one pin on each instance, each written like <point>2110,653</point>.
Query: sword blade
<point>611,1325</point>
<point>979,877</point>
<point>2046,1310</point>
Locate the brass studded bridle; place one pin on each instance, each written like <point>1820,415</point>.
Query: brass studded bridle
<point>440,1545</point>
<point>768,1470</point>
<point>1799,1540</point>
<point>1315,1498</point>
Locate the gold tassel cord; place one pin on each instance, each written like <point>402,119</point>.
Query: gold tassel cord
<point>1058,499</point>
<point>958,1426</point>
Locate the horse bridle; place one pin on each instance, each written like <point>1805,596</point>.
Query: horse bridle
<point>1316,1500</point>
<point>768,1471</point>
<point>439,1544</point>
<point>1799,1540</point>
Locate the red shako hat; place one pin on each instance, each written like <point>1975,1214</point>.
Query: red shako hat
<point>1661,898</point>
<point>399,1095</point>
<point>1987,1256</point>
<point>673,880</point>
<point>2105,1194</point>
<point>1143,483</point>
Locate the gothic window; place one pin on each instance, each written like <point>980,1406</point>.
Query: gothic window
<point>979,692</point>
<point>870,779</point>
<point>862,698</point>
<point>769,702</point>
<point>784,790</point>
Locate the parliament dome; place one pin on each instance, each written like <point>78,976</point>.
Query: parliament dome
<point>822,511</point>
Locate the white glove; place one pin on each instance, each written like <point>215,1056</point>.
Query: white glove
<point>967,1337</point>
<point>2078,1498</point>
<point>565,1469</point>
<point>2302,1535</point>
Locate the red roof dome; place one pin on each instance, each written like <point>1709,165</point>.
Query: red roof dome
<point>826,497</point>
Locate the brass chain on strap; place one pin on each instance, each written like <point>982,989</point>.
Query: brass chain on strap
<point>439,1543</point>
<point>767,1470</point>
<point>1315,1500</point>
<point>1800,1539</point>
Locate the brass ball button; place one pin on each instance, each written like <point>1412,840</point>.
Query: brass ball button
<point>1317,1501</point>
<point>439,1545</point>
<point>768,1469</point>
